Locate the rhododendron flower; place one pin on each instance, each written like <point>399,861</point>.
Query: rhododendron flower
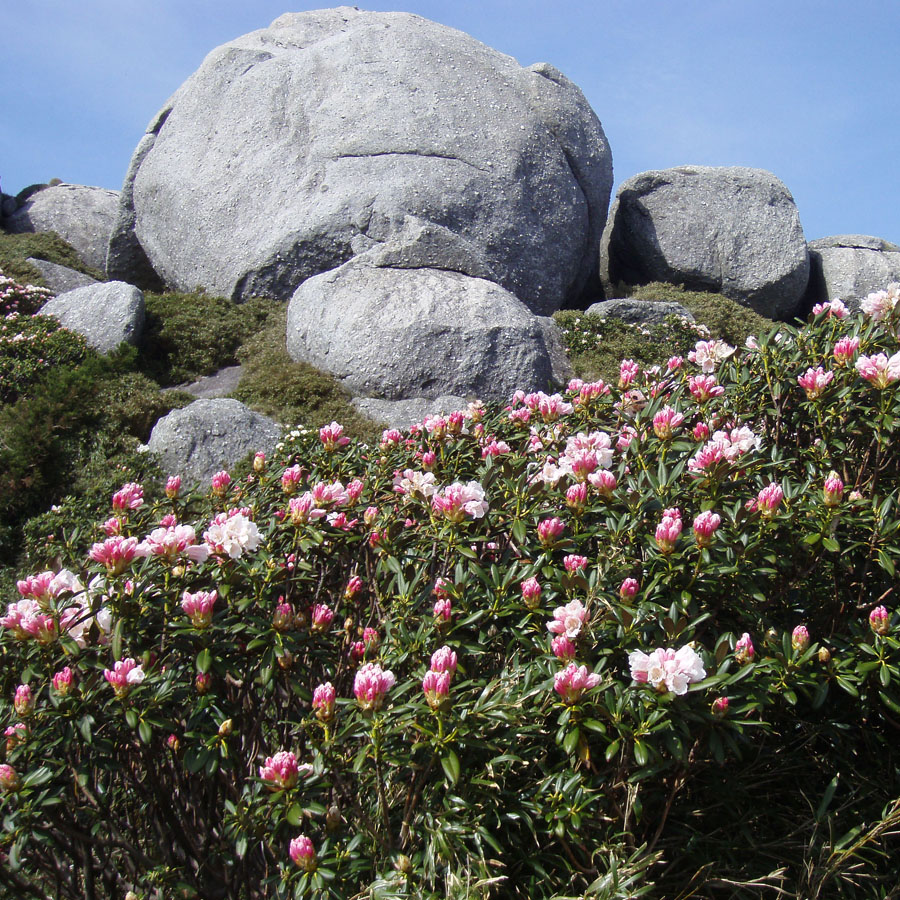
<point>800,638</point>
<point>845,349</point>
<point>443,610</point>
<point>700,431</point>
<point>371,684</point>
<point>604,482</point>
<point>125,675</point>
<point>199,607</point>
<point>833,490</point>
<point>15,735</point>
<point>354,491</point>
<point>568,619</point>
<point>78,620</point>
<point>814,381</point>
<point>666,422</point>
<point>709,354</point>
<point>26,620</point>
<point>62,681</point>
<point>281,771</point>
<point>576,497</point>
<point>232,534</point>
<point>291,478</point>
<point>303,853</point>
<point>704,387</point>
<point>833,309</point>
<point>593,449</point>
<point>443,660</point>
<point>878,370</point>
<point>112,527</point>
<point>283,617</point>
<point>173,486</point>
<point>573,681</point>
<point>574,563</point>
<point>390,437</point>
<point>550,530</point>
<point>322,617</point>
<point>37,587</point>
<point>720,706</point>
<point>562,647</point>
<point>631,403</point>
<point>412,483</point>
<point>323,702</point>
<point>23,701</point>
<point>531,592</point>
<point>436,687</point>
<point>628,371</point>
<point>628,589</point>
<point>705,526</point>
<point>332,436</point>
<point>674,363</point>
<point>744,651</point>
<point>202,683</point>
<point>550,408</point>
<point>880,620</point>
<point>171,542</point>
<point>129,496</point>
<point>666,669</point>
<point>259,462</point>
<point>456,501</point>
<point>220,482</point>
<point>116,553</point>
<point>880,304</point>
<point>9,779</point>
<point>669,530</point>
<point>769,499</point>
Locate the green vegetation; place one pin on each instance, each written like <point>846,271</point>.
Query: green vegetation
<point>15,249</point>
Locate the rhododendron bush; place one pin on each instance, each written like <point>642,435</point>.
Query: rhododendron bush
<point>635,639</point>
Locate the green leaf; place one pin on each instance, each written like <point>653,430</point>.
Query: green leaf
<point>294,815</point>
<point>131,718</point>
<point>827,798</point>
<point>145,731</point>
<point>84,726</point>
<point>886,562</point>
<point>204,660</point>
<point>829,543</point>
<point>641,753</point>
<point>450,765</point>
<point>570,741</point>
<point>117,639</point>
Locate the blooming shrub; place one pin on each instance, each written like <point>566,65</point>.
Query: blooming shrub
<point>376,679</point>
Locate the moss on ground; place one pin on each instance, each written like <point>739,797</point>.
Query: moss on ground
<point>15,249</point>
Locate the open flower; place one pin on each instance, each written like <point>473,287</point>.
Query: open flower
<point>568,619</point>
<point>456,501</point>
<point>573,681</point>
<point>125,675</point>
<point>199,606</point>
<point>666,669</point>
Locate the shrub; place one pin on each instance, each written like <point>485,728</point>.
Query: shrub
<point>625,642</point>
<point>15,249</point>
<point>191,335</point>
<point>293,392</point>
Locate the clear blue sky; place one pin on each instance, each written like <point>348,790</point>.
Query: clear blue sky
<point>809,89</point>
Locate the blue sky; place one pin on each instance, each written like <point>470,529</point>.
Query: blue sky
<point>808,89</point>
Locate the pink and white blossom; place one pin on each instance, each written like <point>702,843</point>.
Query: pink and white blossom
<point>457,501</point>
<point>125,675</point>
<point>371,684</point>
<point>568,619</point>
<point>667,669</point>
<point>573,681</point>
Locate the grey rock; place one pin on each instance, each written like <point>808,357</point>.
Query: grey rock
<point>403,413</point>
<point>8,205</point>
<point>732,230</point>
<point>60,279</point>
<point>335,132</point>
<point>401,333</point>
<point>83,216</point>
<point>639,312</point>
<point>105,313</point>
<point>850,266</point>
<point>197,441</point>
<point>220,384</point>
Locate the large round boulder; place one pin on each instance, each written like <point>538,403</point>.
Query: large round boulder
<point>197,441</point>
<point>82,216</point>
<point>731,230</point>
<point>848,267</point>
<point>296,147</point>
<point>401,333</point>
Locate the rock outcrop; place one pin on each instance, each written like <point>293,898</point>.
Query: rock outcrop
<point>197,441</point>
<point>335,132</point>
<point>395,334</point>
<point>732,230</point>
<point>639,312</point>
<point>106,313</point>
<point>82,216</point>
<point>60,279</point>
<point>848,267</point>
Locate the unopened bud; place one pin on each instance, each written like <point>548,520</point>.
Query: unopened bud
<point>333,817</point>
<point>226,728</point>
<point>403,864</point>
<point>824,655</point>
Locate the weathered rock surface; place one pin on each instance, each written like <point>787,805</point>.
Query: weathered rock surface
<point>219,384</point>
<point>83,216</point>
<point>197,441</point>
<point>639,312</point>
<point>732,230</point>
<point>401,333</point>
<point>850,266</point>
<point>60,279</point>
<point>105,313</point>
<point>403,413</point>
<point>334,132</point>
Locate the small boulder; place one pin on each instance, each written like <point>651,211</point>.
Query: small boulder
<point>640,312</point>
<point>105,313</point>
<point>197,441</point>
<point>60,279</point>
<point>404,413</point>
<point>732,230</point>
<point>82,216</point>
<point>848,267</point>
<point>401,333</point>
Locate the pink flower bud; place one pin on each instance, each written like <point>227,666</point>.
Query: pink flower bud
<point>744,651</point>
<point>23,701</point>
<point>199,607</point>
<point>443,610</point>
<point>332,437</point>
<point>443,660</point>
<point>666,422</point>
<point>283,617</point>
<point>173,743</point>
<point>769,499</point>
<point>323,702</point>
<point>880,620</point>
<point>303,853</point>
<point>573,681</point>
<point>173,486</point>
<point>562,647</point>
<point>259,462</point>
<point>281,771</point>
<point>9,779</point>
<point>436,687</point>
<point>550,530</point>
<point>531,592</point>
<point>129,496</point>
<point>576,496</point>
<point>62,681</point>
<point>705,526</point>
<point>371,685</point>
<point>604,482</point>
<point>291,478</point>
<point>669,530</point>
<point>800,638</point>
<point>574,563</point>
<point>321,617</point>
<point>15,735</point>
<point>354,586</point>
<point>833,492</point>
<point>700,432</point>
<point>220,482</point>
<point>428,460</point>
<point>203,682</point>
<point>628,589</point>
<point>720,706</point>
<point>125,675</point>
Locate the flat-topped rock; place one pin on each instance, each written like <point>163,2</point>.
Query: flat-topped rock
<point>639,312</point>
<point>60,279</point>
